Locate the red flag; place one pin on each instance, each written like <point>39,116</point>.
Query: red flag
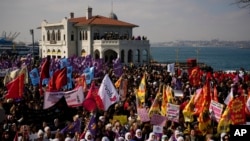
<point>52,84</point>
<point>44,73</point>
<point>15,87</point>
<point>194,76</point>
<point>61,79</point>
<point>237,110</point>
<point>93,100</point>
<point>215,94</point>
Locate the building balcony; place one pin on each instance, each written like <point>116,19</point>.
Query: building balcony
<point>121,42</point>
<point>52,43</point>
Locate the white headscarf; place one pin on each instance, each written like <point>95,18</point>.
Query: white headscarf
<point>151,138</point>
<point>137,135</point>
<point>180,138</point>
<point>105,138</point>
<point>88,133</point>
<point>68,139</point>
<point>127,135</point>
<point>121,139</point>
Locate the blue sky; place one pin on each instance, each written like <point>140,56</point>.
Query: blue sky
<point>159,20</point>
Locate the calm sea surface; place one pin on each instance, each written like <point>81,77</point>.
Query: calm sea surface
<point>219,58</point>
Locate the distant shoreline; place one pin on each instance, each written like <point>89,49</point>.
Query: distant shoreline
<point>212,43</point>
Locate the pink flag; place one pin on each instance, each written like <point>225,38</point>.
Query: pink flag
<point>108,93</point>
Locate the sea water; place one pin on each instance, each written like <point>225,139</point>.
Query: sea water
<point>219,58</point>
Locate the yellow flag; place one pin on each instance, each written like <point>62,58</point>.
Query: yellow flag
<point>155,107</point>
<point>118,82</point>
<point>169,93</point>
<point>188,110</point>
<point>164,102</point>
<point>141,92</point>
<point>204,116</point>
<point>205,122</point>
<point>225,121</point>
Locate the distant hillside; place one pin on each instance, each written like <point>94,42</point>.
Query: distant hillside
<point>212,43</point>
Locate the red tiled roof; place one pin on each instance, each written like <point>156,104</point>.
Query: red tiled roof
<point>100,20</point>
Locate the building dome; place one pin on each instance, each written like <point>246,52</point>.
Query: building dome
<point>113,16</point>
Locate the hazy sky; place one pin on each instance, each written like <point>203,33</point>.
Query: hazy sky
<point>159,20</point>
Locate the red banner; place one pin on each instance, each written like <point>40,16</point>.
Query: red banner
<point>237,110</point>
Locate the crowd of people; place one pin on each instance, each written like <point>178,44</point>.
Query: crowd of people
<point>25,119</point>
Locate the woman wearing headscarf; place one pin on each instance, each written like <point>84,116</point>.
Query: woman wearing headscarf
<point>105,138</point>
<point>109,133</point>
<point>152,137</point>
<point>128,136</point>
<point>88,136</point>
<point>138,135</point>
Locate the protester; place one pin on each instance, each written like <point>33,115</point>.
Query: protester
<point>22,114</point>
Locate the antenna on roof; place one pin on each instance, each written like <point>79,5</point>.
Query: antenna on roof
<point>111,6</point>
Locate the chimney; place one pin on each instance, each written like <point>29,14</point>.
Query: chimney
<point>72,15</point>
<point>89,13</point>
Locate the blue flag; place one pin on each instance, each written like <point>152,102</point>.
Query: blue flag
<point>34,77</point>
<point>64,63</point>
<point>89,74</point>
<point>69,77</point>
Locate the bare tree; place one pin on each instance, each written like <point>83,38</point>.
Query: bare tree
<point>243,3</point>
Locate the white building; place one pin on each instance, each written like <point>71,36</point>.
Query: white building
<point>99,36</point>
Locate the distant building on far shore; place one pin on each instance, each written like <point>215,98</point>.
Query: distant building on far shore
<point>99,36</point>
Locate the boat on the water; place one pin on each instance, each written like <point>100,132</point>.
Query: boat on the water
<point>9,47</point>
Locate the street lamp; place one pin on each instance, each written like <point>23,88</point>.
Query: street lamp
<point>32,33</point>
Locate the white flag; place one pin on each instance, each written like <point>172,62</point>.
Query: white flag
<point>108,93</point>
<point>229,97</point>
<point>171,68</point>
<point>75,97</point>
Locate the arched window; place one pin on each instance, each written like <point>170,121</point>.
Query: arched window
<point>53,35</point>
<point>83,53</point>
<point>85,35</point>
<point>48,35</point>
<point>96,35</point>
<point>122,56</point>
<point>80,35</point>
<point>137,55</point>
<point>144,55</point>
<point>130,56</point>
<point>58,35</point>
<point>72,36</point>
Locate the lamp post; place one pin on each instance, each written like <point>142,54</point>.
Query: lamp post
<point>177,56</point>
<point>32,33</point>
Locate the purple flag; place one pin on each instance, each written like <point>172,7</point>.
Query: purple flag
<point>92,125</point>
<point>117,67</point>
